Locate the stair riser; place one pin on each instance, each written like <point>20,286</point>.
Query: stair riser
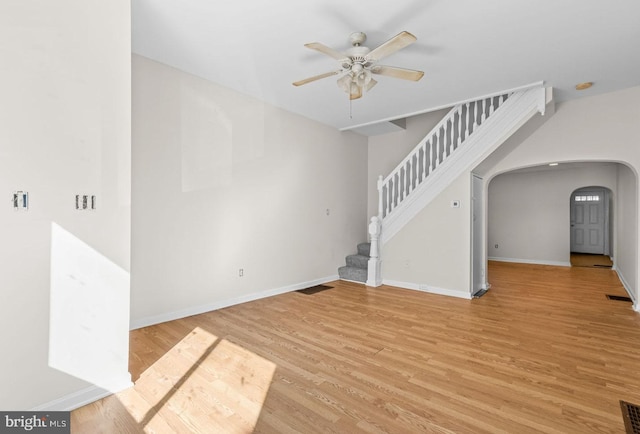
<point>364,249</point>
<point>357,261</point>
<point>355,274</point>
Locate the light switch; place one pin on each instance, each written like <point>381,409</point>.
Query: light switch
<point>20,200</point>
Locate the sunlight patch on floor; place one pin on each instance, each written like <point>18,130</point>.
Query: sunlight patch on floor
<point>203,384</point>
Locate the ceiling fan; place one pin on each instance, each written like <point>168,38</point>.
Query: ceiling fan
<point>358,63</point>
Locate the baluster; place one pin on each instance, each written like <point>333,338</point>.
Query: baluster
<point>443,144</point>
<point>405,183</point>
<point>450,135</point>
<point>466,123</point>
<point>407,172</point>
<point>503,97</point>
<point>491,107</point>
<point>437,148</point>
<point>389,195</point>
<point>380,196</point>
<point>425,146</point>
<point>415,170</point>
<point>396,189</point>
<point>475,117</point>
<point>392,187</point>
<point>459,126</point>
<point>427,158</point>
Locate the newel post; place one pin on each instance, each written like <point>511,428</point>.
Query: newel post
<point>373,270</point>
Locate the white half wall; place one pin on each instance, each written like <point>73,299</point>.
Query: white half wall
<point>65,82</point>
<point>224,182</point>
<point>528,212</point>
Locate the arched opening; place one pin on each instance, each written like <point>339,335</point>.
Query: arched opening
<point>528,220</point>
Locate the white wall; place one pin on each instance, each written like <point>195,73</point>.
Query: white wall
<point>528,213</point>
<point>386,151</point>
<point>432,251</point>
<point>599,128</point>
<point>223,182</point>
<point>65,114</point>
<point>626,228</point>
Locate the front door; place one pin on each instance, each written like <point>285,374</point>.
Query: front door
<point>588,221</point>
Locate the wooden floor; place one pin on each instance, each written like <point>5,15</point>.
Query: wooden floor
<point>588,260</point>
<point>543,351</point>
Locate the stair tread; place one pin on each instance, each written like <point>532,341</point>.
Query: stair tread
<point>357,255</point>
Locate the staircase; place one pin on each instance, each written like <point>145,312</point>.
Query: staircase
<point>356,268</point>
<point>469,133</point>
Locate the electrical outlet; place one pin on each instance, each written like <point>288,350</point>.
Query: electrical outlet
<point>241,272</point>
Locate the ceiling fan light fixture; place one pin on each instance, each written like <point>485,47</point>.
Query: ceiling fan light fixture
<point>355,91</point>
<point>359,62</point>
<point>370,84</point>
<point>344,83</point>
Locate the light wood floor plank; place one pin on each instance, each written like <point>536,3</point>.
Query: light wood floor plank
<point>543,351</point>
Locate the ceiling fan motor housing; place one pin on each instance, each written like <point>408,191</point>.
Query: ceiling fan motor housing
<point>357,38</point>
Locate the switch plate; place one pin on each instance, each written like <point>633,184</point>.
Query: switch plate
<point>20,200</point>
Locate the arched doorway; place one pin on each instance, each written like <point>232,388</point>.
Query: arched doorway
<point>590,231</point>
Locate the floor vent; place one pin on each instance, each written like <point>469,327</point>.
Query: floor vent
<point>619,298</point>
<point>480,293</point>
<point>631,416</point>
<point>314,289</point>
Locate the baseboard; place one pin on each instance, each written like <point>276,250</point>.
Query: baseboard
<point>196,310</point>
<point>427,288</point>
<point>80,398</point>
<point>629,290</point>
<point>530,261</point>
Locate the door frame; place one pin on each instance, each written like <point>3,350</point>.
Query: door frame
<point>606,202</point>
<point>478,235</point>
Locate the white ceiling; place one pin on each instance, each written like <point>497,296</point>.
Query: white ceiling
<point>467,48</point>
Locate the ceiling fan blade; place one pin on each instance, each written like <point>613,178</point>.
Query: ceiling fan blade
<point>314,78</point>
<point>392,71</point>
<point>394,44</point>
<point>326,50</point>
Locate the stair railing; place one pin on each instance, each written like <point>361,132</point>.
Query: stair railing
<point>441,142</point>
<point>423,161</point>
